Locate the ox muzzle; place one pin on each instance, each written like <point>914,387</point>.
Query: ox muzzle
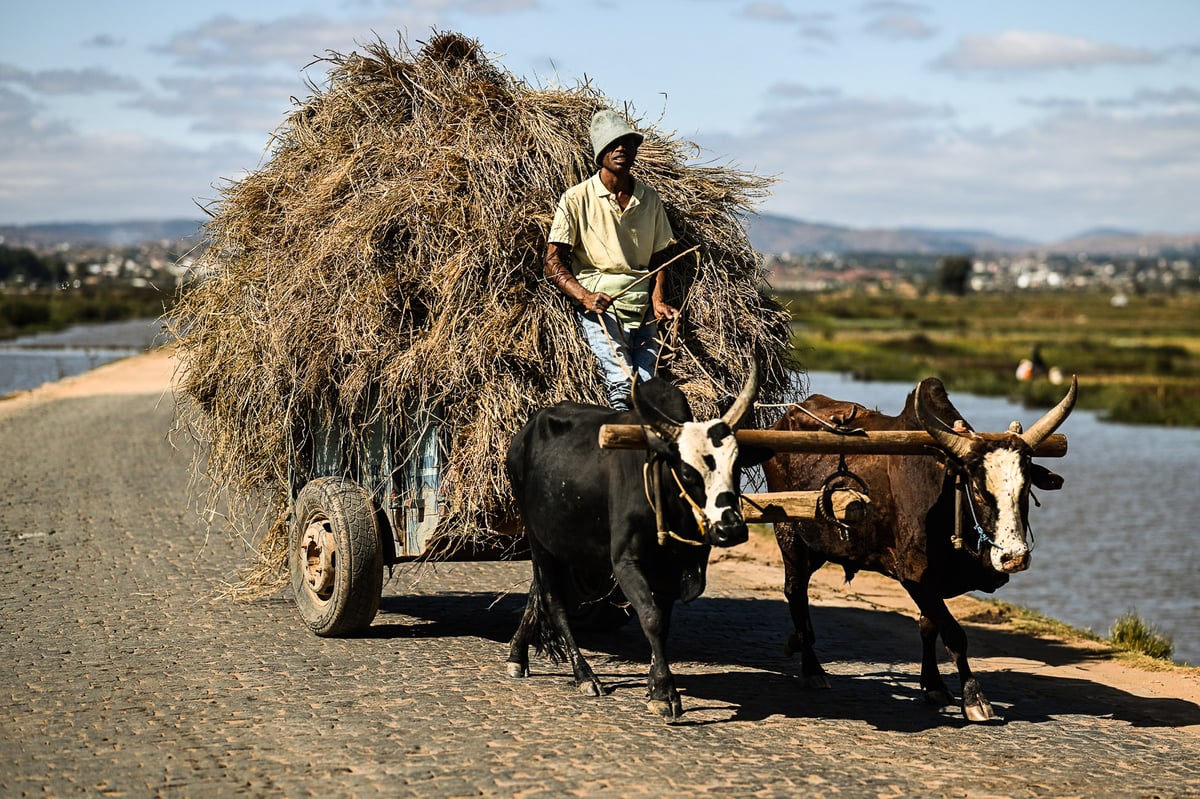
<point>729,531</point>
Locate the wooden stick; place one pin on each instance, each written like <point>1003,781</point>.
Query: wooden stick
<point>654,272</point>
<point>846,504</point>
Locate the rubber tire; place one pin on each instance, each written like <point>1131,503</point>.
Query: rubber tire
<point>347,513</point>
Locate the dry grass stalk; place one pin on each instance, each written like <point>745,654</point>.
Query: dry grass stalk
<point>387,256</point>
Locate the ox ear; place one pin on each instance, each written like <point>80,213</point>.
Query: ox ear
<point>667,428</point>
<point>1043,478</point>
<point>752,455</point>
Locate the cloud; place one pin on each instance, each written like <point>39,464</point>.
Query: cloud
<point>786,90</point>
<point>103,40</point>
<point>295,41</point>
<point>1177,98</point>
<point>768,12</point>
<point>889,163</point>
<point>54,173</point>
<point>292,42</point>
<point>67,81</point>
<point>812,27</point>
<point>899,26</point>
<point>1036,50</point>
<point>225,103</point>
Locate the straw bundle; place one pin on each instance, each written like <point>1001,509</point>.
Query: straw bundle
<point>388,257</point>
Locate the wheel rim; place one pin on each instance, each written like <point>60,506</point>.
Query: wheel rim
<point>318,552</point>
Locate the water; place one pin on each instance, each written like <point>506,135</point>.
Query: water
<point>1122,535</point>
<point>29,361</point>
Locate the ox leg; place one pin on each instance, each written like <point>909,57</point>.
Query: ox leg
<point>799,564</point>
<point>585,679</point>
<point>545,623</point>
<point>518,647</point>
<point>936,691</point>
<point>654,614</point>
<point>937,616</point>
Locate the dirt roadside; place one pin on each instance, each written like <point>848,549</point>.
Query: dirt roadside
<point>997,644</point>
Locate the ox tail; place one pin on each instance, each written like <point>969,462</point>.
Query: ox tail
<point>539,626</point>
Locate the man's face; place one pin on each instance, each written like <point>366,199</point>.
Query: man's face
<point>621,154</point>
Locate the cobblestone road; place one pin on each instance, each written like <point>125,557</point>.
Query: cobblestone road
<point>123,676</point>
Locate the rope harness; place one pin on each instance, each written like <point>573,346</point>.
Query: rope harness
<point>963,496</point>
<point>842,479</point>
<point>652,479</point>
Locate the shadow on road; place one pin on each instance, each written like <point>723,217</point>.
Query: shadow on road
<point>873,657</point>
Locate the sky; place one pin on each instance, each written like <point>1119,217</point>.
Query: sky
<point>1035,119</point>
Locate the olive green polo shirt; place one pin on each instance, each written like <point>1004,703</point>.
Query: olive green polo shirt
<point>611,248</point>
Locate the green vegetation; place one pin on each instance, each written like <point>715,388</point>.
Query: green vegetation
<point>1130,633</point>
<point>1137,362</point>
<point>49,309</point>
<point>25,264</point>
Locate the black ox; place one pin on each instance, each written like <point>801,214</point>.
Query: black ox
<point>593,532</point>
<point>910,535</point>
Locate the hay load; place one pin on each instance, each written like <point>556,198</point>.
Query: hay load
<point>385,265</point>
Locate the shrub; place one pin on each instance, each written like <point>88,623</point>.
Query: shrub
<point>1129,632</point>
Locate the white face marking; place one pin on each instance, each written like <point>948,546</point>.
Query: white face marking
<point>1005,481</point>
<point>694,445</point>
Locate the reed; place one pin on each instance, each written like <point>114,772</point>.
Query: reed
<point>1131,633</point>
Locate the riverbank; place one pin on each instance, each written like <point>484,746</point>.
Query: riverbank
<point>1002,638</point>
<point>999,642</point>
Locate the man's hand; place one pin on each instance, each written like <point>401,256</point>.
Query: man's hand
<point>664,312</point>
<point>596,301</point>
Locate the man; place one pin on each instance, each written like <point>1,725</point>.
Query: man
<point>608,232</point>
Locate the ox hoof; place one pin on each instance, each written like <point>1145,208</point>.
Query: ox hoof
<point>939,698</point>
<point>980,711</point>
<point>671,711</point>
<point>591,688</point>
<point>518,670</point>
<point>817,681</point>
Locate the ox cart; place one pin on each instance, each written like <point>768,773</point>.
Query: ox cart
<point>359,512</point>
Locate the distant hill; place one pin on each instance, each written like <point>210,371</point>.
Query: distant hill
<point>778,235</point>
<point>106,233</point>
<point>1124,243</point>
<point>768,233</point>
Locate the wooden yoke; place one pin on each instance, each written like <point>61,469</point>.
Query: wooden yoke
<point>845,504</point>
<point>881,442</point>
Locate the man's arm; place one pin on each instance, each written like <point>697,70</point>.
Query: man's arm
<point>662,311</point>
<point>558,271</point>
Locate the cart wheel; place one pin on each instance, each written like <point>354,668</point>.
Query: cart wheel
<point>335,557</point>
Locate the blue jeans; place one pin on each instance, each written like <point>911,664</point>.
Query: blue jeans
<point>636,353</point>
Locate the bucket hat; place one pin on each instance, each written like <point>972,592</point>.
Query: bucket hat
<point>607,127</point>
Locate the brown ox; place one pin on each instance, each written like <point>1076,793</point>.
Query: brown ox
<point>910,535</point>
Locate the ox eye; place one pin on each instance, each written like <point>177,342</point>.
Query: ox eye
<point>710,462</point>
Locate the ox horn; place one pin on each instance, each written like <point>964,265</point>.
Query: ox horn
<point>1043,427</point>
<point>667,428</point>
<point>956,443</point>
<point>744,400</point>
